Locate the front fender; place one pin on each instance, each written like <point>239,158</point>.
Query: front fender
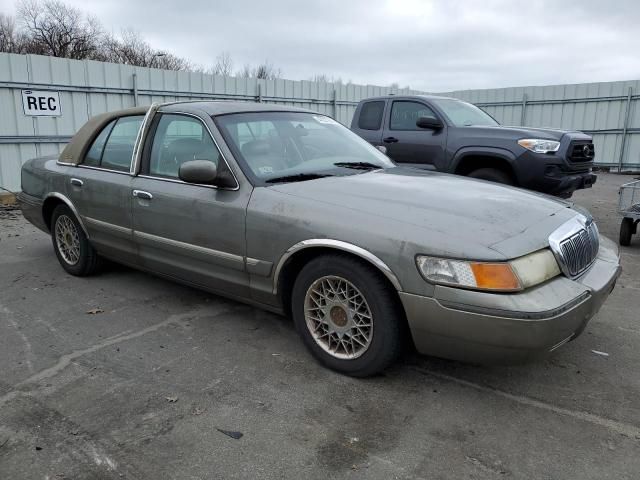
<point>492,152</point>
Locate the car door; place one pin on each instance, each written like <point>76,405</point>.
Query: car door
<point>406,142</point>
<point>195,233</point>
<point>368,121</point>
<point>101,192</point>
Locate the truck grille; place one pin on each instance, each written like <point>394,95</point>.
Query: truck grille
<point>575,245</point>
<point>580,152</point>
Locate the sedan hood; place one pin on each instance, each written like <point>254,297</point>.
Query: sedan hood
<point>463,209</point>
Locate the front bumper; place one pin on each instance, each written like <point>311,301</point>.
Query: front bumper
<point>553,174</point>
<point>482,327</point>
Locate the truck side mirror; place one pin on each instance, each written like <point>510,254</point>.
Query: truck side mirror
<point>430,123</point>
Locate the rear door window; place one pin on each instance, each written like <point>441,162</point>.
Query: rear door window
<point>404,115</point>
<point>371,115</point>
<point>118,149</point>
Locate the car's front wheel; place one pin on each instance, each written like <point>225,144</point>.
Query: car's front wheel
<point>347,315</point>
<point>76,255</point>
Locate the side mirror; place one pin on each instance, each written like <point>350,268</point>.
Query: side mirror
<point>198,171</point>
<point>382,148</point>
<point>430,123</point>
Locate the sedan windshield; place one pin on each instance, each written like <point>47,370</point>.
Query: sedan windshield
<point>463,114</point>
<point>275,147</point>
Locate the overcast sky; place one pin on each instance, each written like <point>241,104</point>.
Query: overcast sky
<point>436,45</point>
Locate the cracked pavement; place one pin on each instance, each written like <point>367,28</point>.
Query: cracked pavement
<point>143,388</point>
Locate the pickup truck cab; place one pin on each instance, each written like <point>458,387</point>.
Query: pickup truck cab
<point>449,135</point>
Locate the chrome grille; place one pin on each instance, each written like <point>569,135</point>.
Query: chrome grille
<point>575,245</point>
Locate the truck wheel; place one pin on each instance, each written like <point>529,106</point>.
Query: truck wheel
<point>626,230</point>
<point>76,255</point>
<point>347,315</point>
<point>493,175</point>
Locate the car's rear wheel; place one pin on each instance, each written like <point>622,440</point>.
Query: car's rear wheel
<point>492,175</point>
<point>347,315</point>
<point>626,231</point>
<point>73,249</point>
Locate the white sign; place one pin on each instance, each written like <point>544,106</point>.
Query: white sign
<point>41,103</point>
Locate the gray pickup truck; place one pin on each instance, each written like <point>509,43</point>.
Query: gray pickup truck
<point>449,135</point>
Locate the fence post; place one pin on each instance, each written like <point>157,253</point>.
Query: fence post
<point>625,127</point>
<point>523,115</point>
<point>135,89</point>
<point>334,102</point>
<point>259,98</point>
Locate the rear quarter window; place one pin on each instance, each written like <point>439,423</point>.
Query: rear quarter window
<point>118,150</point>
<point>113,147</point>
<point>94,155</point>
<point>371,115</point>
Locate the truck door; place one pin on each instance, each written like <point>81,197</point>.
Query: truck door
<point>367,121</point>
<point>407,143</point>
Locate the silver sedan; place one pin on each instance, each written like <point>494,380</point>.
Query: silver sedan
<point>288,210</point>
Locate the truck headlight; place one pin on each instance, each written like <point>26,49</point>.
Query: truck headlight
<point>512,276</point>
<point>539,145</point>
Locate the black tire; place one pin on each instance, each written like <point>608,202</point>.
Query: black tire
<point>388,325</point>
<point>492,175</point>
<point>88,261</point>
<point>626,231</point>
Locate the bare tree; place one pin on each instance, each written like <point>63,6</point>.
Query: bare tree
<point>132,49</point>
<point>323,77</point>
<point>320,78</point>
<point>245,71</point>
<point>223,65</point>
<point>264,71</point>
<point>59,30</point>
<point>8,34</point>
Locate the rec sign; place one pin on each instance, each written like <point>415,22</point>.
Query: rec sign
<point>38,103</point>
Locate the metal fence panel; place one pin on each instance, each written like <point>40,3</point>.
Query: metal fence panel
<point>609,111</point>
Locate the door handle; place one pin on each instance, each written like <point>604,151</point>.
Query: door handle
<point>76,182</point>
<point>390,140</point>
<point>141,194</point>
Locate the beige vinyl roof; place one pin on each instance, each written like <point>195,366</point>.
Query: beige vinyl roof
<point>75,150</point>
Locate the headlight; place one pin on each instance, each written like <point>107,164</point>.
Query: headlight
<point>539,145</point>
<point>510,276</point>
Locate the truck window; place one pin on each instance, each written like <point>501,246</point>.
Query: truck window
<point>404,115</point>
<point>371,115</point>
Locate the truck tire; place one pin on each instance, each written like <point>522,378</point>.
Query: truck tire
<point>492,175</point>
<point>347,315</point>
<point>626,231</point>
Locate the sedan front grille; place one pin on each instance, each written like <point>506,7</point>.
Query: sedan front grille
<point>575,245</point>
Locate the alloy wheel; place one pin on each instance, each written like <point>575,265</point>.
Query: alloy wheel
<point>338,317</point>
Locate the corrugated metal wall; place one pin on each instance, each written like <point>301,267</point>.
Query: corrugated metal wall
<point>607,110</point>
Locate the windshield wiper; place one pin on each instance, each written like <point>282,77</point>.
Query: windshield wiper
<point>358,165</point>
<point>298,177</point>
